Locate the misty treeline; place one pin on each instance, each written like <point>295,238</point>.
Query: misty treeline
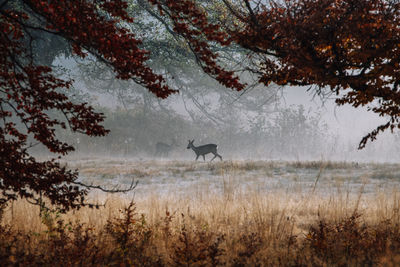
<point>287,133</point>
<point>292,133</point>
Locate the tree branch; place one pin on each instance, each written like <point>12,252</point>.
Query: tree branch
<point>116,189</point>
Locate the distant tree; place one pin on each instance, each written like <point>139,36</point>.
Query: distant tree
<point>298,133</point>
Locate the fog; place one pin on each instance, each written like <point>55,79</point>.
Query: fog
<point>271,123</point>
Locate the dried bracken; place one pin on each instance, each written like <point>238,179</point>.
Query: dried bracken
<point>128,239</point>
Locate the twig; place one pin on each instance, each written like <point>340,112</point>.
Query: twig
<point>114,190</point>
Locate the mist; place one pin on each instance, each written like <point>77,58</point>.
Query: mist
<point>266,123</point>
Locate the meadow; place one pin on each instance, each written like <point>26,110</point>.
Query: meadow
<point>224,213</point>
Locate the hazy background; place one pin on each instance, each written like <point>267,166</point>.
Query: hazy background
<point>274,123</point>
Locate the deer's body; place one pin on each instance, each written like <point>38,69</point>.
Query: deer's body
<point>163,149</point>
<point>204,150</point>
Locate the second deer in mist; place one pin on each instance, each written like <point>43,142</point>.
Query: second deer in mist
<point>204,150</point>
<point>163,149</point>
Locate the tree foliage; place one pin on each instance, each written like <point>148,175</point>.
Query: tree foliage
<point>349,47</point>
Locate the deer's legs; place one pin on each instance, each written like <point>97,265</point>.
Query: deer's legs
<point>216,155</point>
<point>204,157</point>
<point>197,156</point>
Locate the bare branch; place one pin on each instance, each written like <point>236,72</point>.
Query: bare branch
<point>116,189</point>
<point>252,15</point>
<point>159,18</point>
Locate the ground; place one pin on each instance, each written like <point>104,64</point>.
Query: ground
<point>229,213</point>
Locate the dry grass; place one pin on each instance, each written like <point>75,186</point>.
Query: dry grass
<point>293,225</point>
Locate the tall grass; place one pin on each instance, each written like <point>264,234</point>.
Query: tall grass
<point>298,225</point>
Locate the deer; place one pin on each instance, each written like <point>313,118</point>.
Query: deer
<point>163,149</point>
<point>204,150</point>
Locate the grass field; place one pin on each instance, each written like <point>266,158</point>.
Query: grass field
<point>229,213</point>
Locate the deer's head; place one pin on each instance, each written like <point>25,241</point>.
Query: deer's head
<point>190,144</point>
